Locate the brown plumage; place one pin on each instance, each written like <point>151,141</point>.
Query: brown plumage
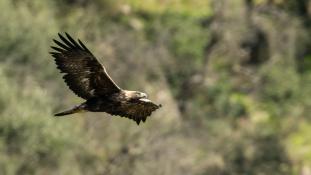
<point>88,79</point>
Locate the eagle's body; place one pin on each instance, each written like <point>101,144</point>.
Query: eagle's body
<point>88,79</point>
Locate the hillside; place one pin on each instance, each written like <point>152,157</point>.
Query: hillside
<point>233,77</point>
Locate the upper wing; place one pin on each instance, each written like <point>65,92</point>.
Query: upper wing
<point>84,75</point>
<point>138,110</point>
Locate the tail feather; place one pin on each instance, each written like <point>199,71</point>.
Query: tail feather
<point>70,111</point>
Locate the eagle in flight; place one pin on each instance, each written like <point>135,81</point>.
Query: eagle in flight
<point>88,79</point>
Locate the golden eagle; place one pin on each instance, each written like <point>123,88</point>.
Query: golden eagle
<point>88,79</point>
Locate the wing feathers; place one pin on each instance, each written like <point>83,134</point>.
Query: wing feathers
<point>83,46</point>
<point>61,45</point>
<point>76,45</point>
<point>58,49</point>
<point>66,41</point>
<point>78,63</point>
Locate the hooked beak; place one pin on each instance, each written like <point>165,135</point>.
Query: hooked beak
<point>143,95</point>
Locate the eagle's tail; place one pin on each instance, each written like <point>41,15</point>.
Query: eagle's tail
<point>75,109</point>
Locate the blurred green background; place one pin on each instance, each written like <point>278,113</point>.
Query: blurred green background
<point>234,78</point>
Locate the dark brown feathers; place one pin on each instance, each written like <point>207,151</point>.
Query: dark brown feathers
<point>138,111</point>
<point>84,75</point>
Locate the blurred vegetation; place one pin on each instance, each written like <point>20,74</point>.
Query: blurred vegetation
<point>233,76</point>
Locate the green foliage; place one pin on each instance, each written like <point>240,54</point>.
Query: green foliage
<point>28,138</point>
<point>280,82</point>
<point>189,7</point>
<point>26,31</point>
<point>187,44</point>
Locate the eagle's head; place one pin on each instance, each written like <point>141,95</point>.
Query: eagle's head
<point>136,95</point>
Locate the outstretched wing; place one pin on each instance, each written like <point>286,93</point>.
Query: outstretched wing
<point>84,75</point>
<point>138,110</point>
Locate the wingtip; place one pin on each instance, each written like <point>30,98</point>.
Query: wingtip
<point>83,46</point>
<point>68,36</point>
<point>53,53</point>
<point>55,41</point>
<point>57,49</point>
<point>137,121</point>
